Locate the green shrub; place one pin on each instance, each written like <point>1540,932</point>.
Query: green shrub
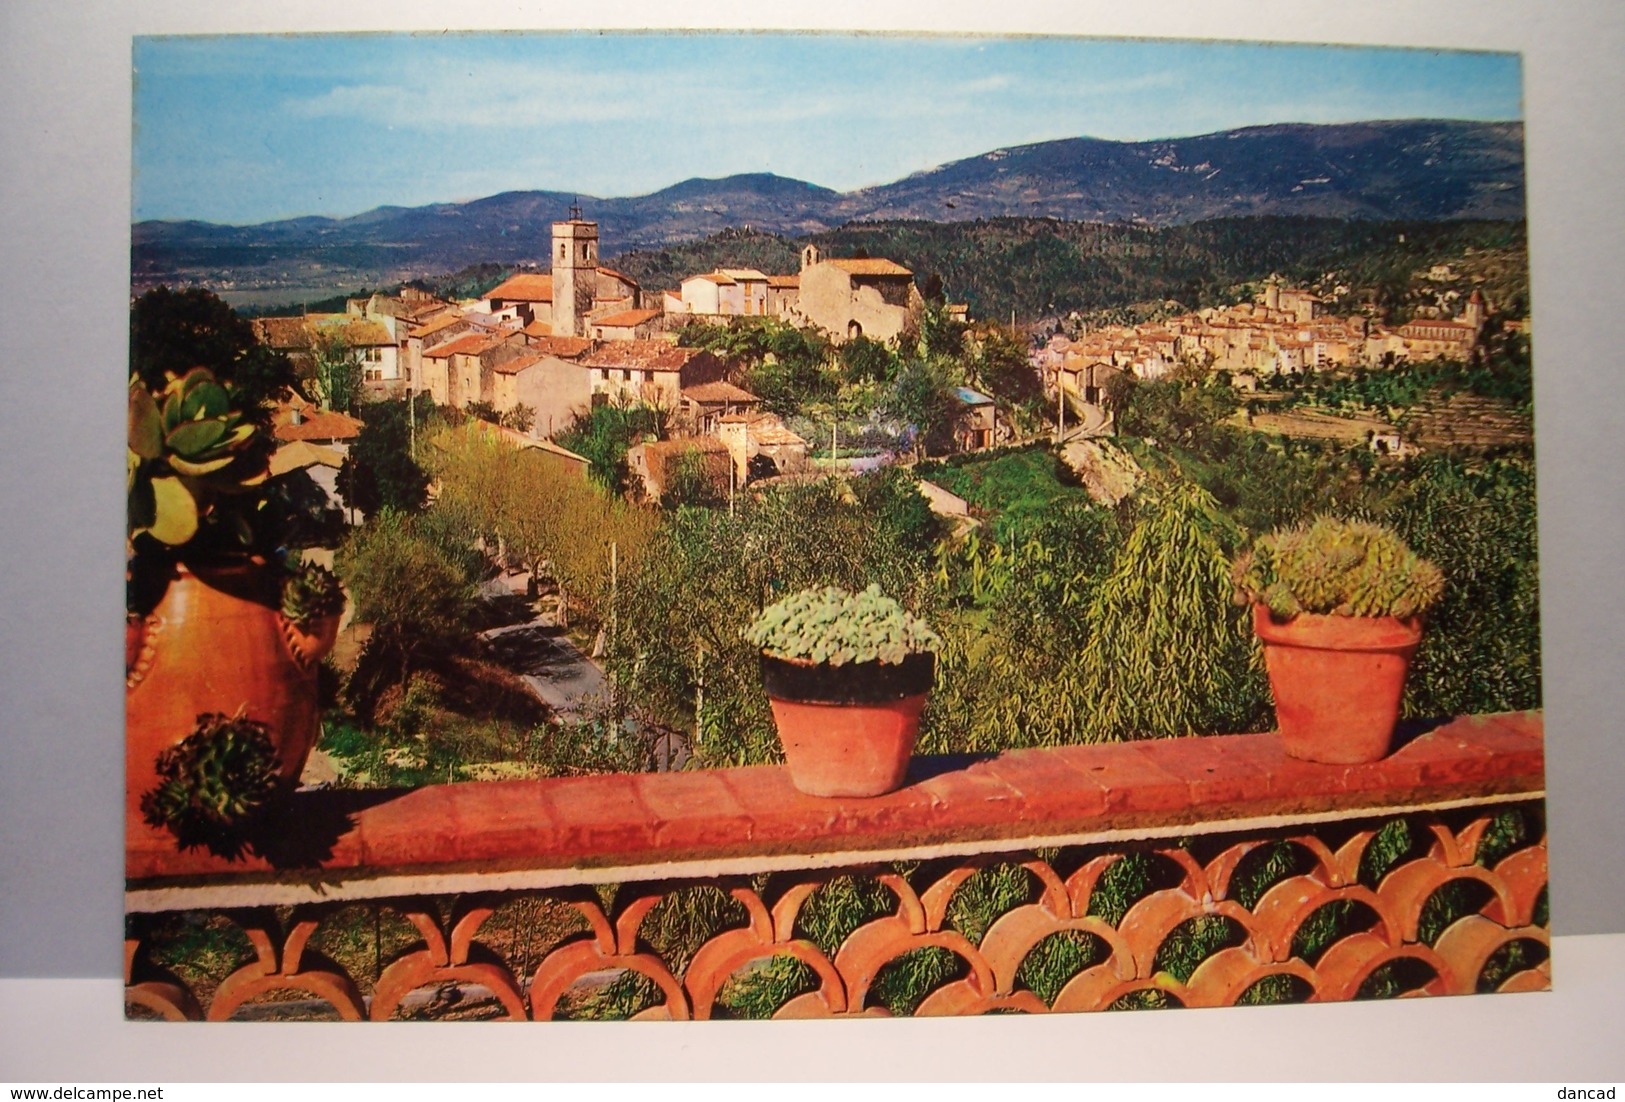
<point>831,625</point>
<point>1344,568</point>
<point>214,783</point>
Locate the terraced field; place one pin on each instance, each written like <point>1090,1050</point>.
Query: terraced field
<point>1468,421</point>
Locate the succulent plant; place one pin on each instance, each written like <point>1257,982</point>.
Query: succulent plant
<point>1337,567</point>
<point>310,592</point>
<point>213,783</point>
<point>188,449</point>
<point>833,626</point>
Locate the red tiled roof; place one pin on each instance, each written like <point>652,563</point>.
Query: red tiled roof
<point>564,348</point>
<point>718,392</point>
<point>326,425</point>
<point>647,355</point>
<point>283,333</point>
<point>870,266</point>
<point>713,277</point>
<point>627,318</point>
<point>784,281</point>
<point>520,362</point>
<point>360,333</point>
<point>468,344</point>
<point>622,276</point>
<point>525,287</point>
<point>434,325</point>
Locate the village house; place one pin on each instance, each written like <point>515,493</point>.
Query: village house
<point>783,291</point>
<point>656,465</point>
<point>652,372</point>
<point>371,344</point>
<point>856,297</point>
<point>761,445</point>
<point>1428,338</point>
<point>461,370</point>
<point>977,426</point>
<point>437,330</point>
<point>627,325</point>
<point>702,405</point>
<point>549,378</point>
<point>299,420</point>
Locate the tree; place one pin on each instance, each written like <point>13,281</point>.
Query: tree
<point>691,481</point>
<point>941,334</point>
<point>174,331</point>
<point>604,433</point>
<point>996,359</point>
<point>520,418</point>
<point>417,595</point>
<point>538,510</point>
<point>380,473</point>
<point>336,383</point>
<point>924,398</point>
<point>1170,653</point>
<point>866,360</point>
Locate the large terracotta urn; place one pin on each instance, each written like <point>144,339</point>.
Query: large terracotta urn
<point>217,642</point>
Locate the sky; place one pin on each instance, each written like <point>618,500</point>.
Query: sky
<point>243,129</point>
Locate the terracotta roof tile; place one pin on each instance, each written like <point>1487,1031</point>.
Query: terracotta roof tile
<point>434,325</point>
<point>627,318</point>
<point>870,266</point>
<point>718,392</point>
<point>524,287</point>
<point>283,333</point>
<point>564,348</point>
<point>519,362</point>
<point>622,276</point>
<point>467,344</point>
<point>325,425</point>
<point>646,355</point>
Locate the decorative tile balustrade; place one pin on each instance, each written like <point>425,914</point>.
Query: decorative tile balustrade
<point>1194,872</point>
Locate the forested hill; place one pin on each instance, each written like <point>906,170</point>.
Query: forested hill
<point>1045,267</point>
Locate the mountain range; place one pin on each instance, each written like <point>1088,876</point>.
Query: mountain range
<point>1427,170</point>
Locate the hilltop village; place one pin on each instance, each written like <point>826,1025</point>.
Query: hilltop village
<point>540,349</point>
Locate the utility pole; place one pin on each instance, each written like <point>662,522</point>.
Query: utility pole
<point>412,424</point>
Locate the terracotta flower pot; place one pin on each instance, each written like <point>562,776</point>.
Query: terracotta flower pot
<point>1337,681</point>
<point>217,642</point>
<point>848,730</point>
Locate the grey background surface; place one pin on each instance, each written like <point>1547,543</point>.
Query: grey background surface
<point>64,238</point>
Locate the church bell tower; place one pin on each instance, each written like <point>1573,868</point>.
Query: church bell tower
<point>575,273</point>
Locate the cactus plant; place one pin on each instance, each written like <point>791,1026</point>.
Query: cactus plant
<point>1336,567</point>
<point>310,592</point>
<point>835,627</point>
<point>214,783</point>
<point>189,450</point>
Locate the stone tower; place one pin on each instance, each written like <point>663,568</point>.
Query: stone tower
<point>1475,310</point>
<point>810,256</point>
<point>575,274</point>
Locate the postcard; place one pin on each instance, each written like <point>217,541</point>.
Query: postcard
<point>697,525</point>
